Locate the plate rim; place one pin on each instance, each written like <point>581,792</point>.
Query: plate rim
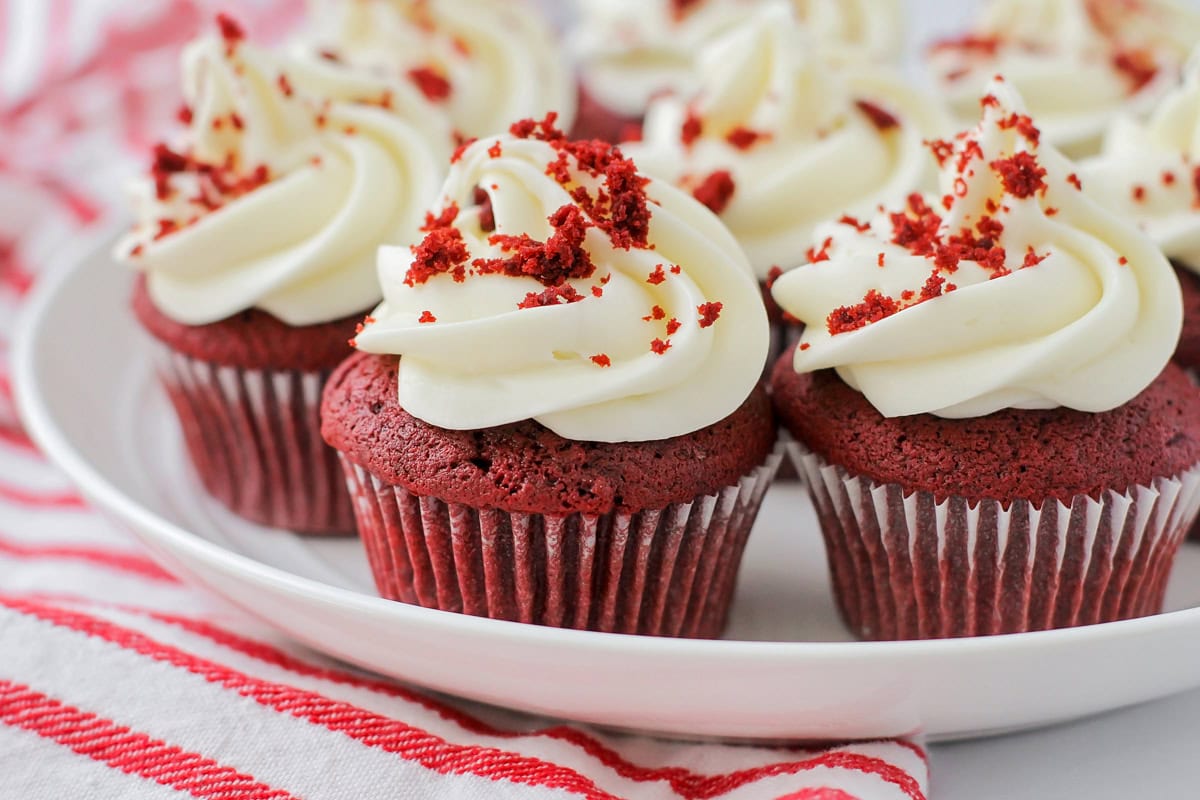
<point>39,423</point>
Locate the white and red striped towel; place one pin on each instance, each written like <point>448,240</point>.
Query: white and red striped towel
<point>116,680</point>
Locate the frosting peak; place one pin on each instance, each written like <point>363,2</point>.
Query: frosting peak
<point>276,196</point>
<point>1011,289</point>
<point>556,283</point>
<point>770,118</point>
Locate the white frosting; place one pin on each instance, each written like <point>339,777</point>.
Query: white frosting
<point>633,50</point>
<point>1147,171</point>
<point>499,57</point>
<point>1170,26</point>
<point>819,154</point>
<point>342,177</point>
<point>1062,63</point>
<point>486,362</point>
<point>1081,329</point>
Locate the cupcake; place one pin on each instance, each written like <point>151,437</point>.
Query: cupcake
<point>775,140</point>
<point>255,240</point>
<point>482,63</point>
<point>632,51</point>
<point>983,404</point>
<point>1148,173</point>
<point>555,414</point>
<point>1077,63</point>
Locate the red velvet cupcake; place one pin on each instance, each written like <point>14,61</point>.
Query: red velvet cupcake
<point>255,237</point>
<point>1000,448</point>
<point>572,434</point>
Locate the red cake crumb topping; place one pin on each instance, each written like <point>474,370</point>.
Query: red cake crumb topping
<point>874,307</point>
<point>880,261</point>
<point>880,118</point>
<point>442,220</point>
<point>692,126</point>
<point>1024,126</point>
<point>1137,66</point>
<point>184,115</point>
<point>285,85</point>
<point>231,30</point>
<point>743,138</point>
<point>1168,178</point>
<point>716,190</point>
<point>680,8</point>
<point>441,251</point>
<point>426,317</point>
<point>434,86</point>
<point>495,151</point>
<point>855,223</point>
<point>487,217</point>
<point>655,313</point>
<point>657,276</point>
<point>709,313</point>
<point>551,296</point>
<point>675,269</point>
<point>658,346</point>
<point>552,262</point>
<point>773,274</point>
<point>814,255</point>
<point>805,345</point>
<point>1021,175</point>
<point>218,183</point>
<point>457,155</point>
<point>942,150</point>
<point>985,46</point>
<point>673,325</point>
<point>1032,259</point>
<point>601,360</point>
<point>1073,179</point>
<point>1138,192</point>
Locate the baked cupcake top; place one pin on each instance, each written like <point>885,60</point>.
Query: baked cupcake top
<point>1011,290</point>
<point>776,141</point>
<point>556,283</point>
<point>1070,59</point>
<point>632,50</point>
<point>1150,172</point>
<point>483,63</point>
<point>276,197</point>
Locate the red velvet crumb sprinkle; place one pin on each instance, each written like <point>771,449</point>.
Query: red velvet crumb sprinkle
<point>656,312</point>
<point>1122,261</point>
<point>657,276</point>
<point>426,317</point>
<point>1021,175</point>
<point>880,117</point>
<point>874,307</point>
<point>1138,193</point>
<point>709,313</point>
<point>494,151</point>
<point>1138,67</point>
<point>690,131</point>
<point>673,325</point>
<point>855,223</point>
<point>285,85</point>
<point>1073,179</point>
<point>601,360</point>
<point>814,255</point>
<point>675,269</point>
<point>805,345</point>
<point>443,220</point>
<point>184,115</point>
<point>658,346</point>
<point>1023,125</point>
<point>551,262</point>
<point>880,260</point>
<point>716,190</point>
<point>1168,178</point>
<point>551,296</point>
<point>435,87</point>
<point>743,138</point>
<point>1032,259</point>
<point>231,30</point>
<point>942,150</point>
<point>441,251</point>
<point>462,147</point>
<point>487,217</point>
<point>981,45</point>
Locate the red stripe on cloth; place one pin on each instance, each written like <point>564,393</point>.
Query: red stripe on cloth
<point>122,562</point>
<point>372,730</point>
<point>17,438</point>
<point>131,752</point>
<point>24,497</point>
<point>12,273</point>
<point>822,793</point>
<point>685,784</point>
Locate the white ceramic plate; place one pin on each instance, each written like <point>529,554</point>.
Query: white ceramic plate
<point>787,669</point>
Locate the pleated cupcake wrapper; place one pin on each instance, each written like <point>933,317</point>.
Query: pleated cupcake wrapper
<point>905,566</point>
<point>254,436</point>
<point>664,572</point>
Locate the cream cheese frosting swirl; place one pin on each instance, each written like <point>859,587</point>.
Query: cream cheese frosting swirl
<point>277,198</point>
<point>1075,75</point>
<point>1148,172</point>
<point>557,284</point>
<point>771,123</point>
<point>484,63</point>
<point>1013,290</point>
<point>634,50</point>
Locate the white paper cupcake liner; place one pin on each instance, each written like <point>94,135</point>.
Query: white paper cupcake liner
<point>254,437</point>
<point>905,566</point>
<point>662,572</point>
